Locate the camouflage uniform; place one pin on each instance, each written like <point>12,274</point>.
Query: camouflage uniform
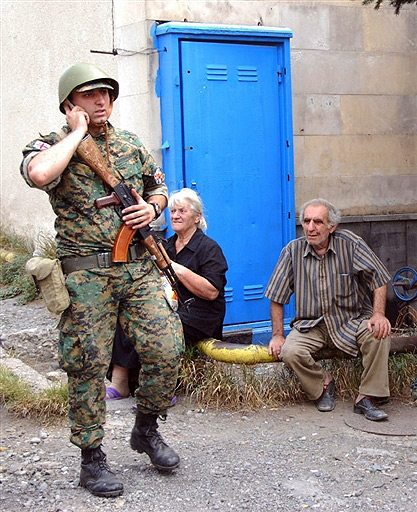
<point>130,292</point>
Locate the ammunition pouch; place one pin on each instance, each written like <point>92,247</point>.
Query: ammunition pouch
<point>50,281</point>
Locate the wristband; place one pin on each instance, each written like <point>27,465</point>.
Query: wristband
<point>157,209</point>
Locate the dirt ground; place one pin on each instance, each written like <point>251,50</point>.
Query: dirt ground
<point>288,458</point>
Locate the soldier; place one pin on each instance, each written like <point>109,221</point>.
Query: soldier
<point>100,290</point>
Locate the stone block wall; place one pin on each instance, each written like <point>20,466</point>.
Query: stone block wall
<point>354,90</point>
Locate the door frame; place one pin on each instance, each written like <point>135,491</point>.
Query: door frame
<point>167,40</point>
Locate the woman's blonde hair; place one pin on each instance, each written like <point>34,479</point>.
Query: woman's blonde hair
<point>192,200</point>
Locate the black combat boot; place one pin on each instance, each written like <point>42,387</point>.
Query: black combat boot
<point>96,476</point>
<point>146,438</point>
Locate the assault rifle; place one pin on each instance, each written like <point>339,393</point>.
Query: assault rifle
<point>89,152</point>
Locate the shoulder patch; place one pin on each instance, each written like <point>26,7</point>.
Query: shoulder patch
<point>40,144</point>
<point>159,176</point>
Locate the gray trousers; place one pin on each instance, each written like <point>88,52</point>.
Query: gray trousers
<point>298,347</point>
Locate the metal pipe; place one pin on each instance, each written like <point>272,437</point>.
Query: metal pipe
<point>256,354</point>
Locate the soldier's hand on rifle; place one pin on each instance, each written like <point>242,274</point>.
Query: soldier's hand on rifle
<point>139,215</point>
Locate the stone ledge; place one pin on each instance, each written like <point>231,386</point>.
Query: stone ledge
<point>40,344</point>
<point>36,381</point>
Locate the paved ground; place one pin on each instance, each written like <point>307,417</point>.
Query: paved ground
<point>281,459</point>
<point>292,458</point>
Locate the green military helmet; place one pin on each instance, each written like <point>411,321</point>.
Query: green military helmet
<point>83,73</point>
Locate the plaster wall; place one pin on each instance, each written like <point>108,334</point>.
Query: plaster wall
<point>354,93</point>
<point>39,40</point>
<point>353,75</point>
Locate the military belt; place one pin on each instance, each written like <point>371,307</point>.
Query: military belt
<point>99,260</point>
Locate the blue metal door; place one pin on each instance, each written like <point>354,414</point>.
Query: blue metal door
<point>233,156</point>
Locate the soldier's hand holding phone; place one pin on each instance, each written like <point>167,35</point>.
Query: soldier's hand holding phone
<point>77,117</point>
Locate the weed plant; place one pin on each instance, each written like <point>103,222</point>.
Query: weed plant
<point>16,251</point>
<point>240,387</point>
<point>18,398</point>
<point>14,280</point>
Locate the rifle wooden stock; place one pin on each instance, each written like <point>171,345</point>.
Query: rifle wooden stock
<point>89,152</point>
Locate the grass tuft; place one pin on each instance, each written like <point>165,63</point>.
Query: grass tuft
<point>237,387</point>
<point>16,251</point>
<point>240,387</point>
<point>46,246</point>
<point>14,280</point>
<point>222,386</point>
<point>18,398</point>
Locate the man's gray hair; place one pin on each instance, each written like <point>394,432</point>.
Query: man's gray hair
<point>333,214</point>
<point>188,197</point>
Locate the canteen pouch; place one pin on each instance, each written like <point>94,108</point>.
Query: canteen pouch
<point>50,280</point>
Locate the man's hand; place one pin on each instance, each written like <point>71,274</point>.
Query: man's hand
<point>379,325</point>
<point>50,163</point>
<point>275,345</point>
<point>77,117</point>
<point>138,215</point>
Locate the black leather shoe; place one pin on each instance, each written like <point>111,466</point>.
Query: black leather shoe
<point>96,476</point>
<point>366,407</point>
<point>146,438</point>
<point>326,402</point>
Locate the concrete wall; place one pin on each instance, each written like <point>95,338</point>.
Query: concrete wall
<point>353,74</point>
<point>40,39</point>
<point>394,240</point>
<point>354,89</point>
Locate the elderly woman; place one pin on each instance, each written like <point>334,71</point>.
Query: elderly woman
<point>201,268</point>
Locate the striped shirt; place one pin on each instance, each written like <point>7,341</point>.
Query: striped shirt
<point>336,288</point>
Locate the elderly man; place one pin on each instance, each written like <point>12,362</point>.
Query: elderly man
<point>103,291</point>
<point>340,295</point>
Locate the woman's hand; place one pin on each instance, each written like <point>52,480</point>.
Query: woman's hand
<point>198,285</point>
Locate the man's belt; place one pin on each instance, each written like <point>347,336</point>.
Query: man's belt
<point>99,260</point>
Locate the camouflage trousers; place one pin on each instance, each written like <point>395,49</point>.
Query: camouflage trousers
<point>133,294</point>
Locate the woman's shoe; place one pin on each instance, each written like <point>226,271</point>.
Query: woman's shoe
<point>113,394</point>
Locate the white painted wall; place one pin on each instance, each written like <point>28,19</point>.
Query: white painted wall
<point>40,39</point>
<point>354,90</point>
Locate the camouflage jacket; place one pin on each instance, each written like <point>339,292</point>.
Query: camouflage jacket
<point>81,228</point>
